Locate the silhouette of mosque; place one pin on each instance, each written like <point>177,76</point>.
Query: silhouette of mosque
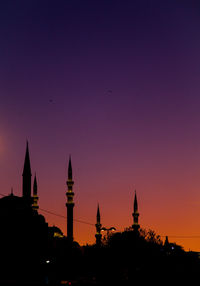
<point>98,225</point>
<point>20,209</point>
<point>24,232</point>
<point>29,247</point>
<point>99,228</point>
<point>70,203</point>
<point>22,225</point>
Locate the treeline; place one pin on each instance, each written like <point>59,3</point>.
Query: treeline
<point>125,258</point>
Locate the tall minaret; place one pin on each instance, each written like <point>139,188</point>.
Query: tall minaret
<point>35,196</point>
<point>26,183</point>
<point>135,215</point>
<point>70,202</point>
<point>98,234</point>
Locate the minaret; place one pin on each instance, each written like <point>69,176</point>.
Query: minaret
<point>26,184</point>
<point>135,215</point>
<point>35,196</point>
<point>98,234</point>
<point>70,202</point>
<point>166,241</point>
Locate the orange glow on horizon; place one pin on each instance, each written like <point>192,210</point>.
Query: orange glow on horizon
<point>84,231</point>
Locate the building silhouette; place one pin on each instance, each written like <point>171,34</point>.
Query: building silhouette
<point>98,225</point>
<point>26,182</point>
<point>23,210</point>
<point>29,247</point>
<point>35,196</point>
<point>70,202</point>
<point>135,214</point>
<point>24,232</point>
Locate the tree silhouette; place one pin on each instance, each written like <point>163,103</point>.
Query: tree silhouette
<point>128,256</point>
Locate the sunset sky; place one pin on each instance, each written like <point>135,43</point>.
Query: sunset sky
<point>116,84</point>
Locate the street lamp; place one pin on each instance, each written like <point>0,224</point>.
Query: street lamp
<point>112,228</point>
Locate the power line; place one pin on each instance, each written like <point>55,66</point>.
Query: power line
<point>59,215</point>
<point>2,195</point>
<point>92,224</point>
<point>52,213</point>
<point>62,216</point>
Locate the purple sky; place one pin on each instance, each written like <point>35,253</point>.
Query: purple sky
<point>116,84</point>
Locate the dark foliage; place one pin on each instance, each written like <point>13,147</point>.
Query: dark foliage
<point>124,258</point>
<point>129,257</point>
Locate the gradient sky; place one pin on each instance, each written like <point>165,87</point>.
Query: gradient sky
<point>116,84</point>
